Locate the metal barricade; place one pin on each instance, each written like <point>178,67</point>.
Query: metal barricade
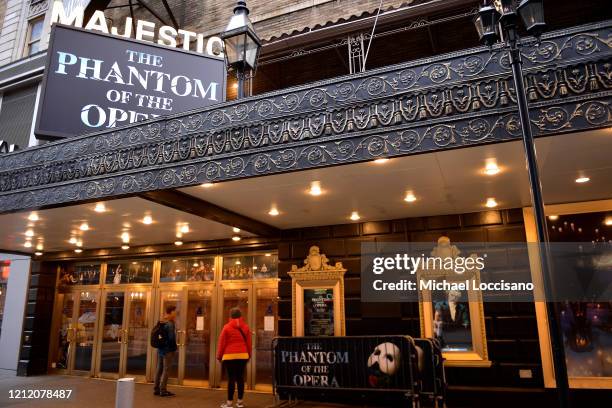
<point>377,369</point>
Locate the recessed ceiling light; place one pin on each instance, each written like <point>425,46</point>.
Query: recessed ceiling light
<point>78,250</point>
<point>33,216</point>
<point>491,202</point>
<point>355,216</point>
<point>491,167</point>
<point>410,197</point>
<point>581,180</point>
<point>382,160</point>
<point>38,253</point>
<point>185,228</point>
<point>553,217</point>
<point>27,244</point>
<point>147,220</point>
<point>207,185</point>
<point>84,227</point>
<point>29,233</point>
<point>100,208</point>
<point>236,238</point>
<point>72,240</point>
<point>315,188</point>
<point>273,211</point>
<point>125,246</point>
<point>178,243</point>
<point>236,230</point>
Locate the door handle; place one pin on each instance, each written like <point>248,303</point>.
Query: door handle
<point>126,336</point>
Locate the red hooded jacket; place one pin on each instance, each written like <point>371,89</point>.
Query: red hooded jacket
<point>232,344</point>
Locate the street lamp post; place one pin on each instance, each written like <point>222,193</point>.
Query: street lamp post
<point>241,46</point>
<point>501,18</point>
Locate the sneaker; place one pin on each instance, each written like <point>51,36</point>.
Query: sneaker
<point>226,405</point>
<point>239,404</point>
<point>156,392</point>
<point>166,394</point>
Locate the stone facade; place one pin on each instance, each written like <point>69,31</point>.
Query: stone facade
<point>272,19</point>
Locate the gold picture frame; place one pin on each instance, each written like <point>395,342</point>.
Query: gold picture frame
<point>540,306</point>
<point>317,274</point>
<point>478,355</point>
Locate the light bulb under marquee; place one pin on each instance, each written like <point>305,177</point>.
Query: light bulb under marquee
<point>185,228</point>
<point>100,208</point>
<point>27,244</point>
<point>236,238</point>
<point>72,240</point>
<point>491,203</point>
<point>382,160</point>
<point>410,197</point>
<point>581,180</point>
<point>207,185</point>
<point>178,243</point>
<point>84,227</point>
<point>147,220</point>
<point>355,216</point>
<point>78,250</point>
<point>553,217</point>
<point>38,253</point>
<point>273,211</point>
<point>125,246</point>
<point>33,217</point>
<point>236,230</point>
<point>315,188</point>
<point>491,167</point>
<point>29,233</point>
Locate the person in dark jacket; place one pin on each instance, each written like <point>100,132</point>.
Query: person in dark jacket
<point>165,355</point>
<point>235,351</point>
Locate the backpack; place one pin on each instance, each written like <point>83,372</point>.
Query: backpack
<point>159,336</point>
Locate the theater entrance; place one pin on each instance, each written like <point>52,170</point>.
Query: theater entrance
<point>104,313</point>
<point>203,306</point>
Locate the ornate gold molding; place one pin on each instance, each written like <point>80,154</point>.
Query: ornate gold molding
<point>317,274</point>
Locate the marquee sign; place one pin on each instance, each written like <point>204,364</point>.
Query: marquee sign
<point>95,82</point>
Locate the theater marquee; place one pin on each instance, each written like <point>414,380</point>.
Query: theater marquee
<point>95,81</point>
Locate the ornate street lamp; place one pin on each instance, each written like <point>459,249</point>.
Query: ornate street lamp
<point>497,20</point>
<point>241,45</point>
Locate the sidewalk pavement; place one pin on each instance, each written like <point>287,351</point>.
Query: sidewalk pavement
<point>96,393</point>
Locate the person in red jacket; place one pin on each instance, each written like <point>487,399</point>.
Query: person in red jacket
<point>235,351</point>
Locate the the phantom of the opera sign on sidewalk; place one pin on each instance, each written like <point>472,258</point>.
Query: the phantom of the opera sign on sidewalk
<point>95,81</point>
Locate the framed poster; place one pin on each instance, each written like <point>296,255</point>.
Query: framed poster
<point>319,312</point>
<point>318,297</point>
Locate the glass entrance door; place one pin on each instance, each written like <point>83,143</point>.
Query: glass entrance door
<point>75,341</point>
<point>124,333</point>
<point>194,320</point>
<point>258,302</point>
<point>265,328</point>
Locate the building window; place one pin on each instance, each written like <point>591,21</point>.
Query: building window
<point>34,36</point>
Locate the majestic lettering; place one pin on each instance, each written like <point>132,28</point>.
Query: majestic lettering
<point>145,30</point>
